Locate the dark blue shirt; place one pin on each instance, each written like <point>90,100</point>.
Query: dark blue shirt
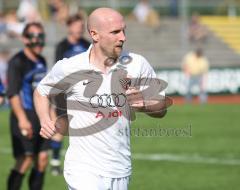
<point>65,49</point>
<point>23,77</point>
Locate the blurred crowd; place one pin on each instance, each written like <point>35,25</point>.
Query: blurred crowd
<point>12,22</point>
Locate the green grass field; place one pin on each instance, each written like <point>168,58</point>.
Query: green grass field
<point>205,158</point>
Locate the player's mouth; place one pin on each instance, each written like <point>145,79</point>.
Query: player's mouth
<point>119,46</point>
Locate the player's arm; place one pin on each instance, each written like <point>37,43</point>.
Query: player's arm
<point>1,93</point>
<point>158,110</point>
<point>23,122</point>
<point>150,98</point>
<point>43,111</point>
<point>14,86</point>
<point>1,99</point>
<point>42,95</point>
<point>59,51</point>
<point>154,108</point>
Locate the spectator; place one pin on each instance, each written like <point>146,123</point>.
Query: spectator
<point>28,12</point>
<point>144,13</point>
<point>197,32</point>
<point>195,66</point>
<point>59,10</point>
<point>14,27</point>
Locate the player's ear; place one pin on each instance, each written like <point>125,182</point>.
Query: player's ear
<point>94,34</point>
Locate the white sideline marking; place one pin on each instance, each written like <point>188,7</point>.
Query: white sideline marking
<point>186,159</point>
<point>169,157</point>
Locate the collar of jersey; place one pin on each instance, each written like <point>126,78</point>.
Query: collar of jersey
<point>92,67</point>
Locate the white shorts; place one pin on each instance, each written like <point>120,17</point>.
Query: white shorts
<point>88,181</point>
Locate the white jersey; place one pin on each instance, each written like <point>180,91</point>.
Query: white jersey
<point>103,150</point>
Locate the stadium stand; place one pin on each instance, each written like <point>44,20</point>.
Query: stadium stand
<point>226,28</point>
<point>165,48</point>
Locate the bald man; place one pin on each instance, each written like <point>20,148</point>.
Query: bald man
<point>102,86</point>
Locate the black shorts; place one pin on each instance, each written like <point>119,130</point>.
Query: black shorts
<point>21,144</point>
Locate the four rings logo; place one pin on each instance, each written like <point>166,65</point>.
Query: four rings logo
<point>108,100</point>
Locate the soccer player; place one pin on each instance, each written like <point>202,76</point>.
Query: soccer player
<point>25,71</point>
<point>72,45</point>
<point>99,95</point>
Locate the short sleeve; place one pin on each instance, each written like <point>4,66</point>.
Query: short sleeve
<point>53,83</point>
<point>15,77</point>
<point>148,77</point>
<point>59,51</point>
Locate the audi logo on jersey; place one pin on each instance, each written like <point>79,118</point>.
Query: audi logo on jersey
<point>108,100</point>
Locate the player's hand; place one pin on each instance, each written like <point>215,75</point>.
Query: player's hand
<point>48,129</point>
<point>26,128</point>
<point>135,99</point>
<point>1,100</point>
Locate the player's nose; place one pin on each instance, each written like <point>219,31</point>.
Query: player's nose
<point>122,36</point>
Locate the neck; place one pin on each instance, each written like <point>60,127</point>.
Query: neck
<point>30,54</point>
<point>97,59</point>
